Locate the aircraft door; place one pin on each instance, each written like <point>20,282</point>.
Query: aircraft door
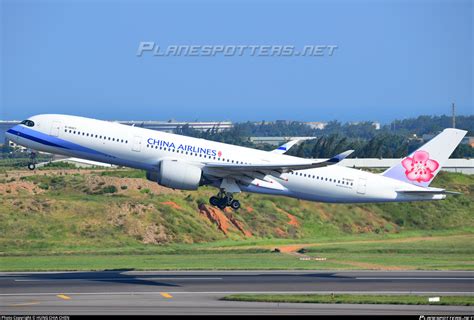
<point>55,127</point>
<point>137,143</point>
<point>361,185</point>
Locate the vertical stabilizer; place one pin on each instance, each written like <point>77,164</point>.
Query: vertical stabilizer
<point>423,165</point>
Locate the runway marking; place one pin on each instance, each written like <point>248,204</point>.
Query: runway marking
<point>216,278</point>
<point>63,296</point>
<point>114,279</point>
<point>166,295</point>
<point>24,304</point>
<point>410,278</point>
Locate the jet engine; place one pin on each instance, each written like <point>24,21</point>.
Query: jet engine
<point>176,175</point>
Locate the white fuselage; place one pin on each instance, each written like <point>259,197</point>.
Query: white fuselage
<point>141,148</point>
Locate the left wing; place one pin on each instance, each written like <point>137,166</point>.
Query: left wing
<point>285,147</point>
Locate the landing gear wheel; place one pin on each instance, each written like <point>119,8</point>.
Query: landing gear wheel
<point>214,201</point>
<point>235,204</point>
<point>32,156</point>
<point>222,203</point>
<point>223,200</point>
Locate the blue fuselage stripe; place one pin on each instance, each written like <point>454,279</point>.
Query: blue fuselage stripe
<point>54,141</point>
<point>33,138</point>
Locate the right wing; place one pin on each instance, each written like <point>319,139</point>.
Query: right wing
<point>279,167</point>
<point>231,174</point>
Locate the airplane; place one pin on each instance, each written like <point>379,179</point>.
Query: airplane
<point>186,163</point>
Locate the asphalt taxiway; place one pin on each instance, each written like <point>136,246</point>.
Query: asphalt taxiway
<point>199,292</point>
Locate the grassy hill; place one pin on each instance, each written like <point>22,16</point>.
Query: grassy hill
<point>94,209</point>
<point>64,211</point>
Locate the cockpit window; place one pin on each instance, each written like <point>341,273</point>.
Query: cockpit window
<point>28,123</point>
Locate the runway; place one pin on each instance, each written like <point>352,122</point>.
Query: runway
<point>199,292</point>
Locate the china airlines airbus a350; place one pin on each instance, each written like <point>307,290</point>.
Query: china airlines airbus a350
<point>181,162</point>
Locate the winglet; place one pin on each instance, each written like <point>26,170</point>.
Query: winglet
<point>341,156</point>
<point>285,147</point>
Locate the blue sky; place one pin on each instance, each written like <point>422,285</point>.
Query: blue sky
<point>395,59</point>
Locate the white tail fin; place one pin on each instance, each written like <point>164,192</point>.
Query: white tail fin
<point>423,165</point>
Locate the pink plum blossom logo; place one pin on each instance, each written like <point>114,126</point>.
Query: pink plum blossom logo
<point>420,167</point>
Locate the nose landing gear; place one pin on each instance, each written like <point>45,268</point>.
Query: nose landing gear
<point>223,200</point>
<point>32,162</point>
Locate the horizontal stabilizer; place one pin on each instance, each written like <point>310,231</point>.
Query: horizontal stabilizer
<point>429,191</point>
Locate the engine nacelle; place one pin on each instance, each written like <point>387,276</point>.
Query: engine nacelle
<point>176,175</point>
<point>152,176</point>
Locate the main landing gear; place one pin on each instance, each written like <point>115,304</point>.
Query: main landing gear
<point>32,161</point>
<point>224,199</point>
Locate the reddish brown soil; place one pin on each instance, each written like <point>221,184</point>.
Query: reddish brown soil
<point>293,220</point>
<point>172,204</point>
<point>239,225</point>
<point>215,216</point>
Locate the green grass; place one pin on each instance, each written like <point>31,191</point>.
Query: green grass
<point>448,252</point>
<point>199,261</point>
<point>444,253</point>
<point>126,173</point>
<point>353,299</point>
